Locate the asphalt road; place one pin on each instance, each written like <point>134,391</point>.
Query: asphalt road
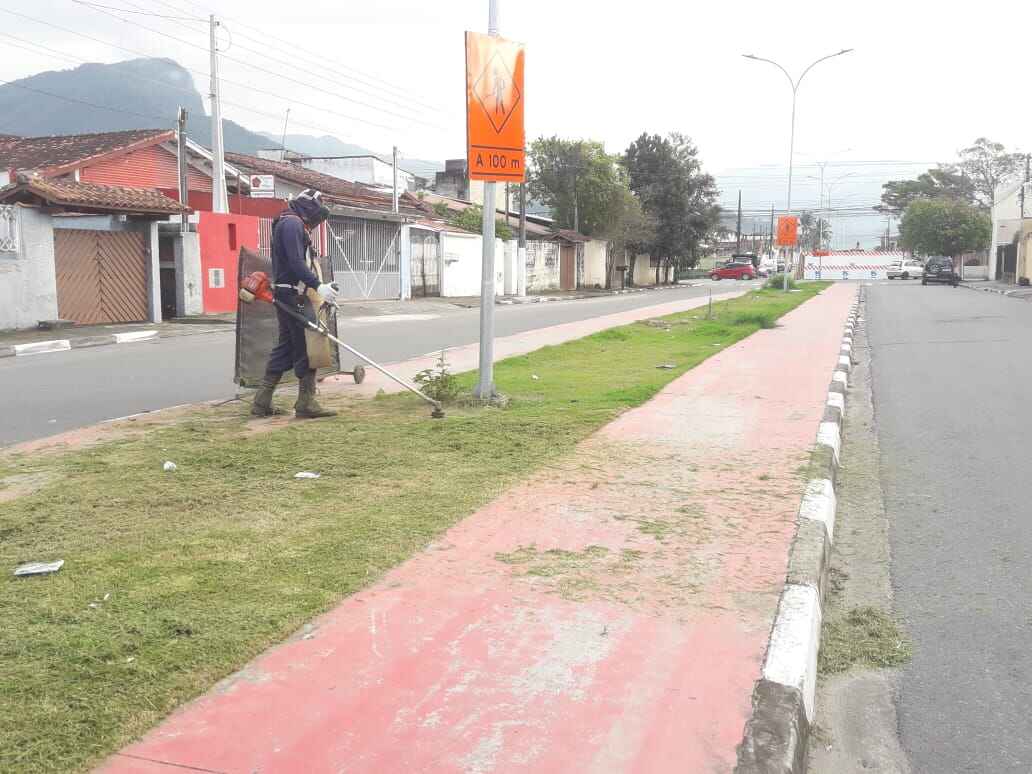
<point>47,394</point>
<point>951,377</point>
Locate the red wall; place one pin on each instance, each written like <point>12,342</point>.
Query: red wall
<point>153,167</point>
<point>214,232</point>
<point>201,202</point>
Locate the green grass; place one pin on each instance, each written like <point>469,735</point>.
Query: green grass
<point>174,580</point>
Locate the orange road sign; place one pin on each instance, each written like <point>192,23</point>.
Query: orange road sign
<point>495,138</point>
<point>788,231</point>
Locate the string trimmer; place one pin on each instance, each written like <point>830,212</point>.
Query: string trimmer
<point>256,286</point>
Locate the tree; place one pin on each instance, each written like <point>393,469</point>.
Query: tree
<point>813,231</point>
<point>942,182</point>
<point>666,175</point>
<point>987,164</point>
<point>944,227</point>
<point>576,179</point>
<point>628,228</point>
<point>472,219</point>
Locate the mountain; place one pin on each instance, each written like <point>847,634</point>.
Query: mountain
<point>145,94</point>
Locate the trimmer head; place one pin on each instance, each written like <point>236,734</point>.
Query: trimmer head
<point>437,413</point>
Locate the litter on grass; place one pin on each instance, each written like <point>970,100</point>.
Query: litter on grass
<point>666,366</point>
<point>306,474</point>
<point>38,568</point>
<point>535,377</point>
<point>169,466</point>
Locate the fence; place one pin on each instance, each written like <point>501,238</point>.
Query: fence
<point>265,237</point>
<point>8,229</point>
<point>366,257</point>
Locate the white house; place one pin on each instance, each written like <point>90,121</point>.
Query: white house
<point>1006,217</point>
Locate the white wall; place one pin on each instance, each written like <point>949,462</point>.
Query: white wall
<point>462,259</point>
<point>542,266</point>
<point>644,273</point>
<point>28,286</point>
<point>1006,217</point>
<point>595,264</point>
<point>367,170</point>
<point>189,283</point>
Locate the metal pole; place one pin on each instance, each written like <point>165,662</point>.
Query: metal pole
<point>219,197</point>
<point>521,251</point>
<point>485,389</point>
<point>394,169</point>
<point>738,228</point>
<point>791,158</point>
<point>184,195</point>
<point>283,138</point>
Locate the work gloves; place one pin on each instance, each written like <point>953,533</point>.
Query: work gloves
<point>328,292</point>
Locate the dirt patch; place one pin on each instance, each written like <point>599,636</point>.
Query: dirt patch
<point>22,485</point>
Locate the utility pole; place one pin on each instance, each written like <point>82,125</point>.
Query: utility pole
<point>182,160</point>
<point>219,197</point>
<point>1028,157</point>
<point>738,228</point>
<point>283,139</point>
<point>394,170</point>
<point>506,204</point>
<point>772,233</point>
<point>485,389</point>
<point>521,251</point>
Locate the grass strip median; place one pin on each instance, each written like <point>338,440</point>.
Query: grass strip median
<point>174,579</point>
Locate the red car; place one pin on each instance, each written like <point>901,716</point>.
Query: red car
<point>734,270</point>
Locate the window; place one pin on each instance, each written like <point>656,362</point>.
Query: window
<point>216,278</point>
<point>232,237</point>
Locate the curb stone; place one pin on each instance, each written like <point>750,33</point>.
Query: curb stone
<point>63,345</point>
<point>777,733</point>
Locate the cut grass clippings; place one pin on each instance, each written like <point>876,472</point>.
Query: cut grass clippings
<point>174,580</point>
<point>863,636</point>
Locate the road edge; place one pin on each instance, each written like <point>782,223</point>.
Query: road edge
<point>776,736</point>
<point>63,345</point>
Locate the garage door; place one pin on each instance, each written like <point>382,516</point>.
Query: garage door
<point>101,276</point>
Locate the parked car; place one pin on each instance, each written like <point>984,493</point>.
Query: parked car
<point>734,270</point>
<point>909,268</point>
<point>940,269</point>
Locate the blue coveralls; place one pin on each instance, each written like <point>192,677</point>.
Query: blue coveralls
<point>290,245</point>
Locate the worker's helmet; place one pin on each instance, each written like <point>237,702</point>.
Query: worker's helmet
<point>309,206</point>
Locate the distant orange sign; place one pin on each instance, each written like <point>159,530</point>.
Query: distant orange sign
<point>788,231</point>
<point>495,98</point>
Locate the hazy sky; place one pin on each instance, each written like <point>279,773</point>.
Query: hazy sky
<point>925,78</point>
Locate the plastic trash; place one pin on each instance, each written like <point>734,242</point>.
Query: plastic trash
<point>305,474</point>
<point>666,366</point>
<point>38,568</point>
<point>169,466</point>
<point>535,377</point>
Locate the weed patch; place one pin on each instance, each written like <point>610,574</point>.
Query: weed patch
<point>864,636</point>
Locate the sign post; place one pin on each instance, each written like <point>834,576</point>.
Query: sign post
<point>495,144</point>
<point>788,236</point>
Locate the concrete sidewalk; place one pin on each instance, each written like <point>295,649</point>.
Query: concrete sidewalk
<point>609,614</point>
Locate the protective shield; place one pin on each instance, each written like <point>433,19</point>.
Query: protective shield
<point>257,330</point>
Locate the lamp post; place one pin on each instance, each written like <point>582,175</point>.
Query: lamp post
<point>794,83</point>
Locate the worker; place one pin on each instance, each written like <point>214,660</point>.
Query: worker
<point>293,274</point>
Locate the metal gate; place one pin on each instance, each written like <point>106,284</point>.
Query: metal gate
<point>426,272</point>
<point>365,256</point>
<point>101,276</point>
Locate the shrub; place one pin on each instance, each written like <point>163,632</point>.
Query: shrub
<point>777,282</point>
<point>438,383</point>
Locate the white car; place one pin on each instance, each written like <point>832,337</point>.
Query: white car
<point>909,268</point>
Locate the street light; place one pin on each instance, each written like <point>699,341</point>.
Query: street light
<point>791,142</point>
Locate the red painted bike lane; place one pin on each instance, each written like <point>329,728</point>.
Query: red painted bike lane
<point>608,614</point>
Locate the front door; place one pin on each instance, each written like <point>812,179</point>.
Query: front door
<point>568,267</point>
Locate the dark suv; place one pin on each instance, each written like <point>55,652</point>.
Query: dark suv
<point>940,269</point>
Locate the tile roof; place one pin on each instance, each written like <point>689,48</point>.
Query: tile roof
<point>569,235</point>
<point>334,190</point>
<point>32,153</point>
<point>534,230</point>
<point>88,196</point>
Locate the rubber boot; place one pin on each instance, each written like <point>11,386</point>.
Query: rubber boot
<point>306,406</point>
<point>262,406</point>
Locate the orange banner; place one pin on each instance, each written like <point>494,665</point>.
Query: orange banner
<point>788,231</point>
<point>495,138</point>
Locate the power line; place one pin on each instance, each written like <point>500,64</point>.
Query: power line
<point>290,46</point>
<point>266,47</point>
<point>206,75</point>
<point>281,76</point>
<point>142,13</point>
<point>163,84</point>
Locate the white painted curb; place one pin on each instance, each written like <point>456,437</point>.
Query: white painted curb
<point>792,654</point>
<point>820,504</point>
<point>129,338</point>
<point>42,347</point>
